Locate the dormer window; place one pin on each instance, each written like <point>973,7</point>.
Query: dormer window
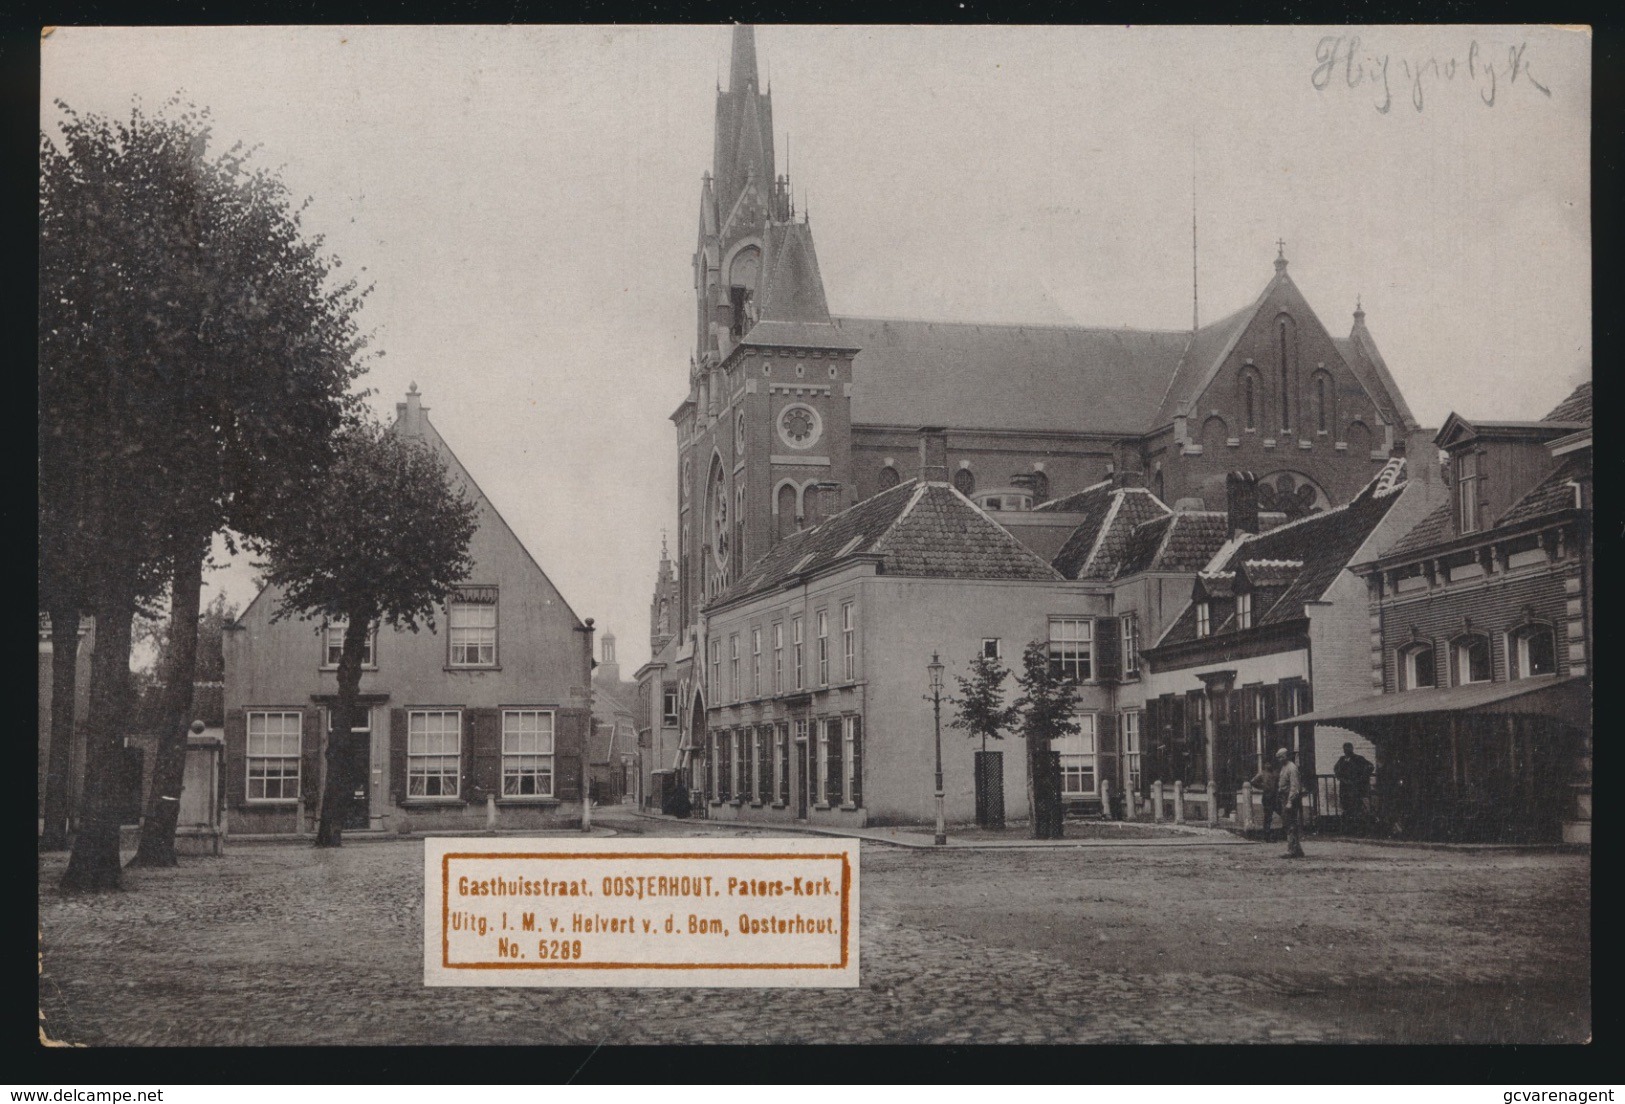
<point>1204,619</point>
<point>1005,500</point>
<point>1467,477</point>
<point>1244,610</point>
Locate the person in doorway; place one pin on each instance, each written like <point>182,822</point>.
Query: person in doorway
<point>1290,787</point>
<point>1353,773</point>
<point>1267,782</point>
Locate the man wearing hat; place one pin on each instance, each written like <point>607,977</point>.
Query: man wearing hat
<point>1291,791</point>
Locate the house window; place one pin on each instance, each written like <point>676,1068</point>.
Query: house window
<point>821,770</point>
<point>472,627</point>
<point>1131,749</point>
<point>1131,645</point>
<point>756,663</point>
<point>1244,611</point>
<point>764,761</point>
<point>1472,659</point>
<point>1069,648</point>
<point>1320,403</point>
<point>715,648</point>
<point>849,642</point>
<point>1078,758</point>
<point>852,760</point>
<point>965,482</point>
<point>1534,651</point>
<point>736,764</point>
<point>273,756</point>
<point>888,478</point>
<point>724,775</point>
<point>823,648</point>
<point>1040,487</point>
<point>714,744</point>
<point>527,753</point>
<point>733,665</point>
<point>1286,377</point>
<point>778,658</point>
<point>1467,490</point>
<point>433,752</point>
<point>755,766</point>
<point>668,707</point>
<point>1416,668</point>
<point>333,643</point>
<point>1204,619</point>
<point>795,644</point>
<point>1249,393</point>
<point>991,649</point>
<point>781,765</point>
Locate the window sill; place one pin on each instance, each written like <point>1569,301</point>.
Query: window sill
<point>849,808</point>
<point>329,668</point>
<point>735,802</point>
<point>539,800</point>
<point>755,804</point>
<point>270,802</point>
<point>822,807</point>
<point>471,667</point>
<point>429,802</point>
<point>780,805</point>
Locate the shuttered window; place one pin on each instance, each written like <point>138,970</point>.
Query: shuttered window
<point>273,756</point>
<point>527,753</point>
<point>1078,758</point>
<point>834,776</point>
<point>781,765</point>
<point>853,736</point>
<point>1070,642</point>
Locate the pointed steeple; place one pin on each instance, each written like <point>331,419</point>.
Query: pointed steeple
<point>742,72</point>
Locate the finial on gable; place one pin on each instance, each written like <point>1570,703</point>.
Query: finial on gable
<point>1359,311</point>
<point>1280,255</point>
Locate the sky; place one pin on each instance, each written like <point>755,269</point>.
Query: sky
<point>524,201</point>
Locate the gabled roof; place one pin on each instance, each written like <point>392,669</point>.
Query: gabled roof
<point>1551,495</point>
<point>1067,379</point>
<point>1575,408</point>
<point>1204,355</point>
<point>792,286</point>
<point>1360,351</point>
<point>1076,501</point>
<point>916,529</point>
<point>1101,540</point>
<point>1322,543</point>
<point>1181,543</point>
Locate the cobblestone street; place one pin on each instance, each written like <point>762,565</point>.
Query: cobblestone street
<point>283,944</point>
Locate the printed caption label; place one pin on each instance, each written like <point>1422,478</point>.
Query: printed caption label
<point>596,912</point>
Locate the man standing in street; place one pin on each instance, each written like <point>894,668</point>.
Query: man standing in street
<point>1353,773</point>
<point>1268,782</point>
<point>1291,791</point>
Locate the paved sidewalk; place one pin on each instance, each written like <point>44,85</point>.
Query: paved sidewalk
<point>925,839</point>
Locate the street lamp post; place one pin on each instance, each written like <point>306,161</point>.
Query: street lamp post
<point>935,667</point>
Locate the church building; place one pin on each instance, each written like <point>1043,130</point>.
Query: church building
<point>794,414</point>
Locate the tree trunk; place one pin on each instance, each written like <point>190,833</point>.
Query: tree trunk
<point>336,789</point>
<point>64,692</point>
<point>157,847</point>
<point>1034,820</point>
<point>93,866</point>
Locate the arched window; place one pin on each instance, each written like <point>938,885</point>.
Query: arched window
<point>1040,488</point>
<point>888,478</point>
<point>964,481</point>
<point>1286,351</point>
<point>1320,403</point>
<point>1416,667</point>
<point>1470,657</point>
<point>786,520</point>
<point>1249,400</point>
<point>1533,651</point>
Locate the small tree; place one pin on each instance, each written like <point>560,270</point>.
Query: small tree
<point>1049,698</point>
<point>385,542</point>
<point>980,709</point>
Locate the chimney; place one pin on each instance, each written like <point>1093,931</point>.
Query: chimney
<point>1241,502</point>
<point>410,413</point>
<point>1130,478</point>
<point>933,454</point>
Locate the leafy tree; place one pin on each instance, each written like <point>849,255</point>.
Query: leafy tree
<point>198,342</point>
<point>385,542</point>
<point>1048,701</point>
<point>980,708</point>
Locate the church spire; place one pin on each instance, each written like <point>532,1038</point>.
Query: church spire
<point>742,73</point>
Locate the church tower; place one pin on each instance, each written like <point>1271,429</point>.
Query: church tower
<point>764,436</point>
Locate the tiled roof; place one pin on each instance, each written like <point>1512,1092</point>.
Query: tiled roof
<point>1181,543</point>
<point>1211,343</point>
<point>928,530</point>
<point>1101,541</point>
<point>1324,543</point>
<point>1550,495</point>
<point>1076,501</point>
<point>965,375</point>
<point>1575,408</point>
<point>1432,529</point>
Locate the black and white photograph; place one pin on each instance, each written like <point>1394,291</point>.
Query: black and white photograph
<point>533,517</point>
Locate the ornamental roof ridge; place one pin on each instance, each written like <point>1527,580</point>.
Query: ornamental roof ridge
<point>1272,563</point>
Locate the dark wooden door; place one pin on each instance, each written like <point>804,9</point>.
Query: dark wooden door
<point>355,771</point>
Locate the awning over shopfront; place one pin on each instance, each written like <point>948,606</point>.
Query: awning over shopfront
<point>1567,700</point>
